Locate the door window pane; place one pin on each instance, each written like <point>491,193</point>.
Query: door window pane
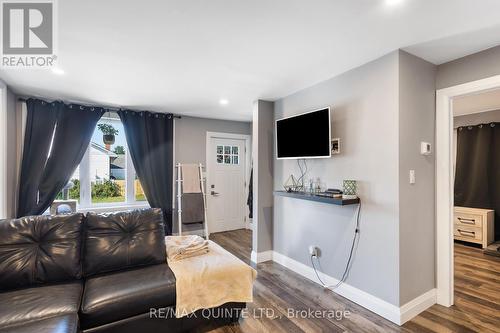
<point>228,154</point>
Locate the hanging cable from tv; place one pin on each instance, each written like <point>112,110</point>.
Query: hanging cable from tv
<point>348,265</point>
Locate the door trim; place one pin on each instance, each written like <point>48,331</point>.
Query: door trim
<point>248,149</point>
<point>444,182</point>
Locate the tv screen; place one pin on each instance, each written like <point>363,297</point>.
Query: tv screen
<point>306,135</point>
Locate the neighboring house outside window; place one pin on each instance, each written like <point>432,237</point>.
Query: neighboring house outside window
<point>118,167</point>
<point>105,178</point>
<point>100,160</point>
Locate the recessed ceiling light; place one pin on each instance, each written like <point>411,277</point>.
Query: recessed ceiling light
<point>57,71</point>
<point>223,102</point>
<point>393,2</point>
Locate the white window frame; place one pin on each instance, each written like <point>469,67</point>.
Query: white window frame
<point>231,155</point>
<point>130,202</point>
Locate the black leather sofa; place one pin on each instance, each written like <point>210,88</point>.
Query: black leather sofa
<point>93,273</point>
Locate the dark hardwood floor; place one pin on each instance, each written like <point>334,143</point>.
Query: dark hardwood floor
<point>477,297</point>
<point>280,289</point>
<point>277,289</point>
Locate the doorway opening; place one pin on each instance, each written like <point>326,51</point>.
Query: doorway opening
<point>464,224</point>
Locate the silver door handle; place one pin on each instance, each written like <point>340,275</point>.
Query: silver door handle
<point>214,193</point>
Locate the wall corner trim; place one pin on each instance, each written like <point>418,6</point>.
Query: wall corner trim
<point>258,257</point>
<point>417,305</point>
<point>397,315</point>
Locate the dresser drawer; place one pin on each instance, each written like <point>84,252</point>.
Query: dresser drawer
<point>475,225</point>
<point>468,233</point>
<point>468,220</point>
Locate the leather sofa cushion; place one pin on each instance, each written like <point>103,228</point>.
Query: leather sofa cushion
<point>120,295</point>
<point>59,324</point>
<point>117,241</point>
<point>40,249</point>
<point>30,304</point>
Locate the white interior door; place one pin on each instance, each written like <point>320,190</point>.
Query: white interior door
<point>226,184</point>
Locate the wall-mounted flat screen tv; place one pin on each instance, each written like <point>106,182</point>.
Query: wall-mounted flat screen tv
<point>306,135</point>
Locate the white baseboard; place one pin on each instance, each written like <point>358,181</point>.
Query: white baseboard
<point>398,315</point>
<point>417,305</point>
<point>261,256</point>
<point>249,224</point>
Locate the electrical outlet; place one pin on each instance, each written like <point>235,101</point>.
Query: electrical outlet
<point>313,251</point>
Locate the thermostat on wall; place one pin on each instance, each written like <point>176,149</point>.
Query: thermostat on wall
<point>425,148</point>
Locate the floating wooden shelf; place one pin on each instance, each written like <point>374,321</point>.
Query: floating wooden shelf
<point>317,198</point>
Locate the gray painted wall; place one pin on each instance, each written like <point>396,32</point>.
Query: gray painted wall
<point>191,133</point>
<point>417,109</point>
<point>470,68</point>
<point>190,143</point>
<point>263,155</point>
<point>476,118</point>
<point>364,104</point>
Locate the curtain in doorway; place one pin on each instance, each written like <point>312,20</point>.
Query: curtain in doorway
<point>477,177</point>
<point>56,138</point>
<point>150,141</point>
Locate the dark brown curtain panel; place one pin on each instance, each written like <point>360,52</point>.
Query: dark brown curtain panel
<point>56,138</point>
<point>41,121</point>
<point>150,139</point>
<point>75,126</point>
<point>477,175</point>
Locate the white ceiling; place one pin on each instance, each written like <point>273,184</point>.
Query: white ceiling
<point>442,50</point>
<point>476,103</point>
<point>184,56</point>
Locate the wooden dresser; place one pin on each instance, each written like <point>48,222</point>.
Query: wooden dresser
<point>474,225</point>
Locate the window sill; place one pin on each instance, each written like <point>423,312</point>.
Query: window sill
<point>113,208</point>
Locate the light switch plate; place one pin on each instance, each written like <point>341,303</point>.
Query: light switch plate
<point>412,176</point>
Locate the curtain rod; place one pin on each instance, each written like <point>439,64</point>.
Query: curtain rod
<point>21,99</point>
<point>491,123</point>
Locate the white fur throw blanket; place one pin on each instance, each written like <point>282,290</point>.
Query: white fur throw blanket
<point>210,280</point>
